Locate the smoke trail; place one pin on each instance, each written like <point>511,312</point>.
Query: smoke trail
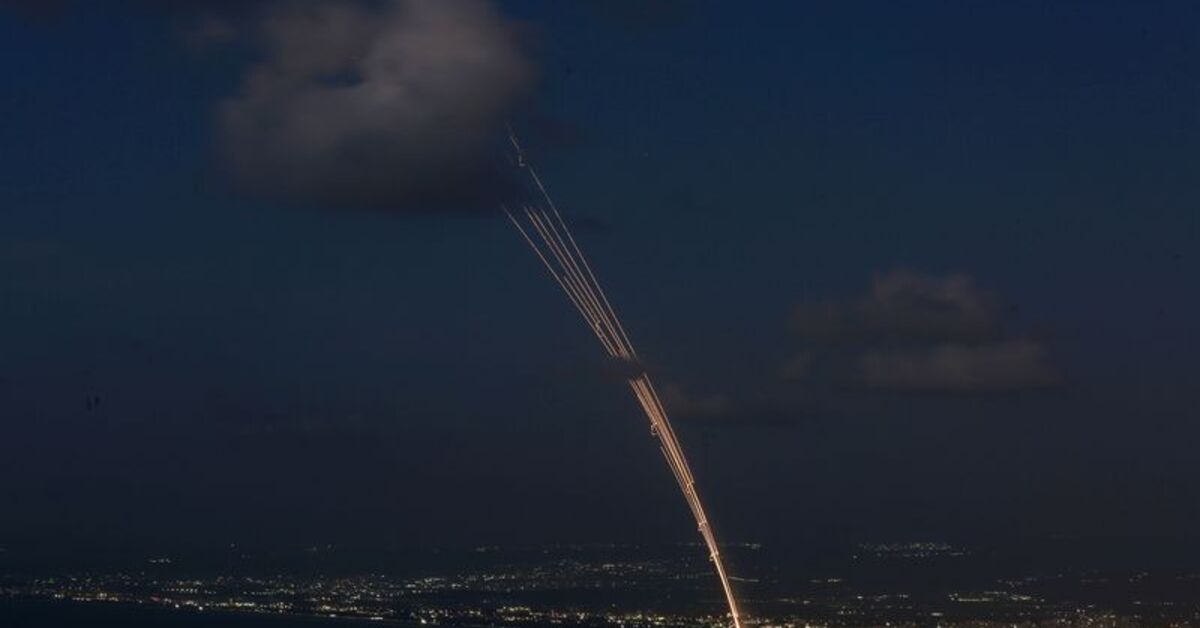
<point>542,227</point>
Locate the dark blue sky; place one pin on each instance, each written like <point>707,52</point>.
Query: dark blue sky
<point>278,374</point>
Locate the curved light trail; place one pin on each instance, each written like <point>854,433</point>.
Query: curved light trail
<point>544,230</point>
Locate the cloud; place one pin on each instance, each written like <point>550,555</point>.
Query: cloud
<point>1005,366</point>
<point>917,333</point>
<point>365,105</point>
<point>372,104</point>
<point>904,306</point>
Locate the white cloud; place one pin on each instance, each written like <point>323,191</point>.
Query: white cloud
<point>372,105</point>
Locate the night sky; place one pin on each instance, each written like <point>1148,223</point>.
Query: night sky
<point>905,270</point>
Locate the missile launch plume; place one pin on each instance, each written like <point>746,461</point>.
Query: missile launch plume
<point>542,227</point>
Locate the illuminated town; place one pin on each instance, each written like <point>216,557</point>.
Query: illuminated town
<point>608,586</point>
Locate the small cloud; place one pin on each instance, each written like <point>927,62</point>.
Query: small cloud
<point>1008,366</point>
<point>918,333</point>
<point>904,306</point>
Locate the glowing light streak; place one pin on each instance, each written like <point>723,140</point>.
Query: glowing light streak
<point>551,239</point>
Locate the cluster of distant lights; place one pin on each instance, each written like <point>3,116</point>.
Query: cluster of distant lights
<point>415,600</point>
<point>527,615</point>
<point>376,598</point>
<point>922,549</point>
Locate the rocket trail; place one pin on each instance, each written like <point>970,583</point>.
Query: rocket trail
<point>544,230</point>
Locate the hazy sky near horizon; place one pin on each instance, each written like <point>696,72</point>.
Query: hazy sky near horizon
<point>907,270</point>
